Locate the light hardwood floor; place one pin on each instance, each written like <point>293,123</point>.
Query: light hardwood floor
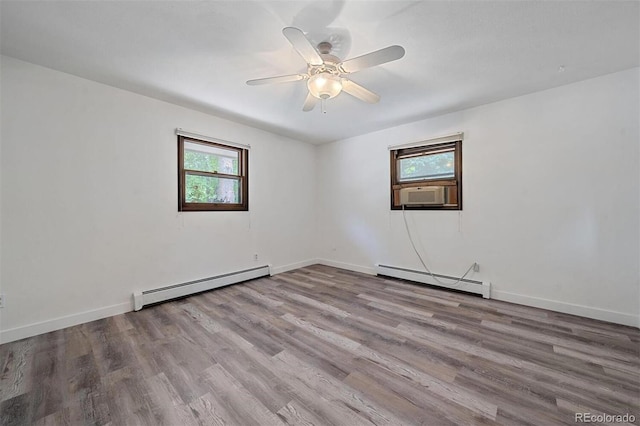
<point>323,346</point>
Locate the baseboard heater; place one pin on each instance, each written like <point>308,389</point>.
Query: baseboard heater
<point>175,291</point>
<point>468,286</point>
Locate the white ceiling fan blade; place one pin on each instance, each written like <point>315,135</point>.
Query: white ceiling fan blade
<point>359,92</point>
<point>310,102</point>
<point>279,79</point>
<point>372,59</point>
<point>300,42</point>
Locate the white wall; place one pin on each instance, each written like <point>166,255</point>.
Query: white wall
<point>551,199</point>
<point>89,200</point>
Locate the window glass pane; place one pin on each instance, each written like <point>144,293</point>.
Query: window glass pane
<point>433,166</point>
<point>208,158</point>
<point>210,189</point>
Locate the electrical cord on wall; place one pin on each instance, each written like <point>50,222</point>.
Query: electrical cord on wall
<point>406,225</point>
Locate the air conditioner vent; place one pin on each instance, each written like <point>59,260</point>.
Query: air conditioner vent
<point>424,195</point>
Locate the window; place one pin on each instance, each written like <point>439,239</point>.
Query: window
<point>427,177</point>
<point>211,176</point>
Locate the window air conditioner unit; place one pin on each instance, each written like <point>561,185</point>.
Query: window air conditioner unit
<point>423,195</point>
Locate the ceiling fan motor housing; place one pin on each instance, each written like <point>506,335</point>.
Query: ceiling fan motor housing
<point>324,47</point>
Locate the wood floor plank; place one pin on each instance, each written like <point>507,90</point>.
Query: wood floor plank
<point>16,409</point>
<point>406,410</point>
<point>239,399</point>
<point>49,376</point>
<point>547,373</point>
<point>324,346</point>
<point>263,385</point>
<point>297,415</point>
<point>435,410</point>
<point>515,398</point>
<point>17,363</point>
<point>336,390</point>
<point>571,342</point>
<point>614,364</point>
<point>170,406</point>
<point>208,411</point>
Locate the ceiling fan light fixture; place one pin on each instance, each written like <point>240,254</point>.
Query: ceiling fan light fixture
<point>324,85</point>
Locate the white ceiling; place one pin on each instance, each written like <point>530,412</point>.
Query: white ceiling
<point>460,54</point>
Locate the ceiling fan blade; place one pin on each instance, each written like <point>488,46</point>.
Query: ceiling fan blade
<point>279,79</point>
<point>310,102</point>
<point>359,92</point>
<point>300,42</point>
<point>372,59</point>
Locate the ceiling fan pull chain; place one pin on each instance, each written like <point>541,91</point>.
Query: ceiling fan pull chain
<point>322,106</point>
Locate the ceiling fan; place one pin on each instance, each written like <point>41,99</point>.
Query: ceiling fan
<point>326,75</point>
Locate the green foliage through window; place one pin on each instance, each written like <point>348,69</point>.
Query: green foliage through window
<point>207,189</point>
<point>212,176</point>
<point>208,162</point>
<point>430,166</point>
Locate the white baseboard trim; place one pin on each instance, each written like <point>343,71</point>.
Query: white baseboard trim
<point>349,266</point>
<point>30,330</point>
<point>568,308</point>
<point>536,302</point>
<point>292,266</point>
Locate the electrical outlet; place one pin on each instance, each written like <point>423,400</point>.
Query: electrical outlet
<point>255,256</point>
<point>476,267</point>
<point>1,300</point>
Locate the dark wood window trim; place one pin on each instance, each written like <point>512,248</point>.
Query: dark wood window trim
<point>453,186</point>
<point>242,177</point>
